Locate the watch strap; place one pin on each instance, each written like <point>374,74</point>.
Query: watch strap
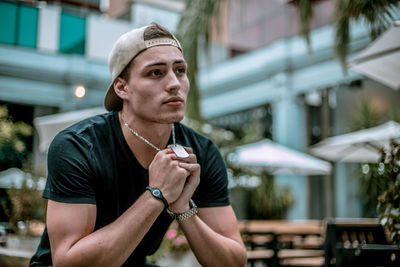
<point>156,192</point>
<point>187,214</point>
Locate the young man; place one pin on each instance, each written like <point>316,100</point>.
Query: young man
<point>116,181</point>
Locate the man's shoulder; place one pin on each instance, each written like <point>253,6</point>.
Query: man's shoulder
<point>87,129</point>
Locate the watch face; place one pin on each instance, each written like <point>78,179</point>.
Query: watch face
<point>156,192</point>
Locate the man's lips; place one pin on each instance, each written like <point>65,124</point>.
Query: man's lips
<point>173,101</point>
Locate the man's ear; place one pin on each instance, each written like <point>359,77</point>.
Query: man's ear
<point>120,87</point>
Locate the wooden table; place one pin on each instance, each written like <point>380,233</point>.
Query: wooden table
<point>263,233</point>
<point>273,240</point>
<point>297,227</point>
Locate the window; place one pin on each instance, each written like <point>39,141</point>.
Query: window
<point>18,24</point>
<point>27,26</point>
<point>72,34</point>
<point>8,19</point>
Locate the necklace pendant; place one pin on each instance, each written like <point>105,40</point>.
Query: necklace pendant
<point>179,151</point>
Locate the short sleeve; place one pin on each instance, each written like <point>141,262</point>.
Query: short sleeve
<point>70,178</point>
<point>213,187</point>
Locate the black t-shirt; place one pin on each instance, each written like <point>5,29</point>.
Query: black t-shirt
<point>90,162</point>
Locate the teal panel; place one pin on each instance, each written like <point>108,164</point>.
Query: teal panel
<point>27,26</point>
<point>8,18</point>
<point>72,34</point>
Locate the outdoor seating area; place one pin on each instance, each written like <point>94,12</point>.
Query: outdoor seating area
<point>332,242</point>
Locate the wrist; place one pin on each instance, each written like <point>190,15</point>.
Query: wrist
<point>153,202</point>
<point>157,194</point>
<point>177,209</point>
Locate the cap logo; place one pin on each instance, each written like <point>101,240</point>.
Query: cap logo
<point>161,41</point>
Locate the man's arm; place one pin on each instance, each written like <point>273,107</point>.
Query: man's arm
<point>70,226</point>
<point>73,242</point>
<point>213,234</point>
<point>214,237</point>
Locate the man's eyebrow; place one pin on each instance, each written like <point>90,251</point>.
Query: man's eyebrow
<point>179,61</point>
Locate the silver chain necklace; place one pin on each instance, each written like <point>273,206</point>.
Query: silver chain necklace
<point>178,149</point>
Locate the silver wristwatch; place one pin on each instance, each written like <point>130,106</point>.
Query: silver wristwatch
<point>187,214</point>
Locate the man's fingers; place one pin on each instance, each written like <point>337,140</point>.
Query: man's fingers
<point>191,167</point>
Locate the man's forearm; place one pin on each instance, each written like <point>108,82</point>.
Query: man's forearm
<point>114,243</point>
<point>210,247</point>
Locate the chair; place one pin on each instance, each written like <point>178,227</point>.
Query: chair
<point>358,243</point>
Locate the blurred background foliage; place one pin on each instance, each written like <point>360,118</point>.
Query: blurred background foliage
<point>27,206</point>
<point>389,201</point>
<point>25,203</point>
<point>13,139</point>
<point>268,201</point>
<point>195,27</point>
<point>377,15</point>
<point>375,178</point>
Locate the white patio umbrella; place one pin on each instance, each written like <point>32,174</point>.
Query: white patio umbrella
<point>380,61</point>
<point>48,126</point>
<point>359,146</point>
<point>277,159</point>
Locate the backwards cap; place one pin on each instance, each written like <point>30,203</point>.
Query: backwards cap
<point>125,49</point>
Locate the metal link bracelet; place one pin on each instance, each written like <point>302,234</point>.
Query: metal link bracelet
<point>187,214</point>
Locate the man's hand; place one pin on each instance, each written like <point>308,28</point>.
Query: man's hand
<point>166,174</point>
<point>192,181</point>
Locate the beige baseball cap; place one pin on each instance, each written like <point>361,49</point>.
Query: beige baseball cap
<point>125,49</point>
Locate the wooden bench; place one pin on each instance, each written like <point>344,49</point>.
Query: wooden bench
<point>303,262</point>
<point>264,255</point>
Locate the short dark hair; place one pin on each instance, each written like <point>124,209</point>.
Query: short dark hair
<point>152,32</point>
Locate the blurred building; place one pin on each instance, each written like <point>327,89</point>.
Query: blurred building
<point>259,69</point>
<point>301,93</point>
<point>53,54</point>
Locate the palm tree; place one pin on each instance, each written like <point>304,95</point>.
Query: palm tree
<point>195,25</point>
<point>377,15</point>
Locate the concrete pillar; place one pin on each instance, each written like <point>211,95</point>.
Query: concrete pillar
<point>49,28</point>
<point>289,129</point>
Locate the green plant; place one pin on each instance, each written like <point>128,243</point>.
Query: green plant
<point>26,204</point>
<point>389,201</point>
<point>374,180</point>
<point>267,201</point>
<point>13,137</point>
<point>377,15</point>
<point>374,177</point>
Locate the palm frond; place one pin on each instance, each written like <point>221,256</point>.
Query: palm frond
<point>305,11</point>
<point>195,25</point>
<point>377,15</point>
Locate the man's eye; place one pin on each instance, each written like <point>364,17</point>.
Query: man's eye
<point>155,73</point>
<point>181,70</point>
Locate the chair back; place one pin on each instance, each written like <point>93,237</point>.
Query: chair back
<point>360,242</point>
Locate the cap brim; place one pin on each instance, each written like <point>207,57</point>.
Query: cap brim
<point>112,101</point>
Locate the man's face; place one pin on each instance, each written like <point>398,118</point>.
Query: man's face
<point>158,85</point>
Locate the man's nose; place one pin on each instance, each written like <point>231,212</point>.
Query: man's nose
<point>173,83</point>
